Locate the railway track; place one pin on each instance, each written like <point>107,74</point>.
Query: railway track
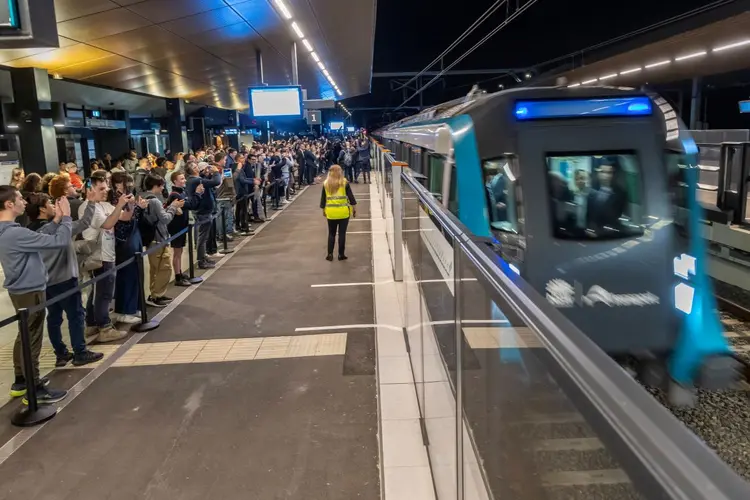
<point>722,418</point>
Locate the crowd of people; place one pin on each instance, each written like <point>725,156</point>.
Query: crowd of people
<point>60,229</point>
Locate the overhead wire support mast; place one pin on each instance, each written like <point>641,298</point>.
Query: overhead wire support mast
<point>520,9</point>
<point>491,10</point>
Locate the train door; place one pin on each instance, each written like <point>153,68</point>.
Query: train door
<point>600,240</point>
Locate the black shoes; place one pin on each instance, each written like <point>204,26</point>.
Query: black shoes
<point>206,264</point>
<point>182,280</point>
<point>86,357</point>
<point>46,396</point>
<point>329,257</point>
<point>158,301</point>
<point>343,257</point>
<point>63,359</point>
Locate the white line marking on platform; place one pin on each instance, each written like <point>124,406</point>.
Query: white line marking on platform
<point>345,327</point>
<point>332,285</point>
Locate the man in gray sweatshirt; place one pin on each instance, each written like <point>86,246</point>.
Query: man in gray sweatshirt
<point>26,278</point>
<point>159,261</point>
<point>62,270</point>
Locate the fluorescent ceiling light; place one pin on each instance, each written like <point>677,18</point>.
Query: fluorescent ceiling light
<point>284,11</point>
<point>629,71</point>
<point>589,81</point>
<point>732,45</point>
<point>315,56</point>
<point>657,64</point>
<point>607,77</point>
<point>325,72</point>
<point>296,29</point>
<point>691,56</point>
<point>339,92</point>
<point>307,44</point>
<point>571,86</point>
<point>321,66</point>
<point>12,126</point>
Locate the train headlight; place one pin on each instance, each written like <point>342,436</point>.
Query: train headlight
<point>683,297</point>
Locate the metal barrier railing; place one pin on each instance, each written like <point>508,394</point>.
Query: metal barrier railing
<point>496,367</point>
<point>30,412</point>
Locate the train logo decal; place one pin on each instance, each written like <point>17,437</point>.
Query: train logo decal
<point>560,293</point>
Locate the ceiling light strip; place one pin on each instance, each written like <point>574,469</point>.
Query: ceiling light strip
<point>720,48</point>
<point>691,56</point>
<point>287,14</point>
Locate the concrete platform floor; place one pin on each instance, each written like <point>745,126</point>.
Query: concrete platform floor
<point>250,407</point>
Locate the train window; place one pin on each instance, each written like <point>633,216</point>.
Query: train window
<point>452,198</point>
<point>435,167</point>
<point>502,187</point>
<point>595,195</point>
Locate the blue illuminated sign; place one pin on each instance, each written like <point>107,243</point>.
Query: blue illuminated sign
<point>583,108</point>
<point>744,106</point>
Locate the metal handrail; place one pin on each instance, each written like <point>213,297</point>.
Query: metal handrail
<point>678,462</point>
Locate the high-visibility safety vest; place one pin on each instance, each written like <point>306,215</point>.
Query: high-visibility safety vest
<point>337,205</point>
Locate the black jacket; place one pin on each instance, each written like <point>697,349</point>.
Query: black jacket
<point>208,200</point>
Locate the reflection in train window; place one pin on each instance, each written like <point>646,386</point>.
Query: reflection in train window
<point>595,195</point>
<point>503,194</point>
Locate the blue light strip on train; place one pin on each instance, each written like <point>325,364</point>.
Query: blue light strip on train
<point>582,108</point>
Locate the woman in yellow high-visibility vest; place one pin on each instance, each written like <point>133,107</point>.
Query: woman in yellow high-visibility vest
<point>338,204</point>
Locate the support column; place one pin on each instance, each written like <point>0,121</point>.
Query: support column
<point>31,95</point>
<point>176,126</point>
<point>295,69</point>
<point>259,66</point>
<point>696,103</point>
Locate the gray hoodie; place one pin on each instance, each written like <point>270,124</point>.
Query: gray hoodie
<point>156,215</point>
<point>63,265</point>
<point>20,254</point>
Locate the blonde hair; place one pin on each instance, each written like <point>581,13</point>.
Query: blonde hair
<point>335,179</point>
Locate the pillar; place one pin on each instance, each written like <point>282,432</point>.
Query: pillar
<point>176,126</point>
<point>295,69</point>
<point>696,103</point>
<point>259,66</point>
<point>31,95</point>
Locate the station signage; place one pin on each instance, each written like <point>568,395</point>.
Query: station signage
<point>314,117</point>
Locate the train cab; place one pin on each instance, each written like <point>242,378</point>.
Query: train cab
<point>578,191</point>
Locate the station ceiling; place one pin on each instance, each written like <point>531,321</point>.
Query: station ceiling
<point>205,50</point>
<point>719,47</point>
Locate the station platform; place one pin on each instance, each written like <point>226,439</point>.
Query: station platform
<point>259,383</point>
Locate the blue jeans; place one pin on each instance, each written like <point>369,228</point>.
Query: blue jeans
<point>228,226</point>
<point>97,307</point>
<point>73,307</point>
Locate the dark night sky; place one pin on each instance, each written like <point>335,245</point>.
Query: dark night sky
<point>410,33</point>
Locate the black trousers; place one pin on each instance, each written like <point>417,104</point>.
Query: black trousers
<point>333,226</point>
<point>241,214</point>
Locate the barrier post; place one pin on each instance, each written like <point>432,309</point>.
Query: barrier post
<point>145,325</point>
<point>398,235</point>
<point>225,229</point>
<point>191,257</point>
<point>32,413</point>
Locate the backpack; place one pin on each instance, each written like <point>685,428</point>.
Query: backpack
<point>347,158</point>
<point>147,229</point>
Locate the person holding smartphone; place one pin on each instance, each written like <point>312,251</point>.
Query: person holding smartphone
<point>99,327</point>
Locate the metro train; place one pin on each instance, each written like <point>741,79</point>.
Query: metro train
<point>589,194</point>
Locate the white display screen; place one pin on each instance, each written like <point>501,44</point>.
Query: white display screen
<point>280,101</point>
<point>337,125</point>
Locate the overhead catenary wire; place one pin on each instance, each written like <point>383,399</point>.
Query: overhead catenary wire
<point>492,33</point>
<point>491,10</point>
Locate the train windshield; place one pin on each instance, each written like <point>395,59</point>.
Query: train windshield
<point>595,196</point>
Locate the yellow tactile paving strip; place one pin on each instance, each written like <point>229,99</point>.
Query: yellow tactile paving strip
<point>221,350</point>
